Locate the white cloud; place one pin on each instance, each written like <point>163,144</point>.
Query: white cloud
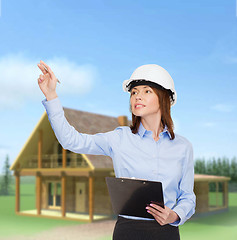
<point>19,74</point>
<point>223,108</point>
<point>209,124</point>
<point>74,79</point>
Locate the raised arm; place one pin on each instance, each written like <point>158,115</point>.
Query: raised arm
<point>67,135</point>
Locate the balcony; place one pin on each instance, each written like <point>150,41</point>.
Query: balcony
<point>55,161</point>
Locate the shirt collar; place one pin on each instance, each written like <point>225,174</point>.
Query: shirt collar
<point>142,130</point>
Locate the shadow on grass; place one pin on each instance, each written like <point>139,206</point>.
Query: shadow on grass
<point>228,218</point>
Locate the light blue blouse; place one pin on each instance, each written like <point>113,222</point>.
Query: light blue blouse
<point>136,156</point>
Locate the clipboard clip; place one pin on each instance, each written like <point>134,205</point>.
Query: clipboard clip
<point>133,178</point>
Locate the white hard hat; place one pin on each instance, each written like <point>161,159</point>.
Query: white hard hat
<point>153,75</point>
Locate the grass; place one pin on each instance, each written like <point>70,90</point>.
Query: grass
<point>25,225</point>
<point>215,199</point>
<point>215,227</point>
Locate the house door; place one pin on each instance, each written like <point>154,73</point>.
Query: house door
<point>54,195</point>
<point>80,197</point>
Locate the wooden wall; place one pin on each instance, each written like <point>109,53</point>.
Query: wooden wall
<point>70,194</point>
<point>102,203</point>
<point>201,190</point>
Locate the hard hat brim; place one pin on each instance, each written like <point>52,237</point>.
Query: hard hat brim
<point>128,85</point>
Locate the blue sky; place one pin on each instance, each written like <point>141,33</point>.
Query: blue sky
<point>92,46</point>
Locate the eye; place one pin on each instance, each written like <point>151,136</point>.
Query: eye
<point>133,93</point>
<point>148,90</point>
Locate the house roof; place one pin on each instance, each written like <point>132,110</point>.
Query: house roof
<point>91,123</point>
<point>84,122</point>
<point>210,178</point>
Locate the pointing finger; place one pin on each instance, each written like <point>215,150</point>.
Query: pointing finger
<point>42,68</point>
<point>48,69</point>
<point>44,64</point>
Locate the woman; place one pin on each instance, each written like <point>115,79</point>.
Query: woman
<point>148,149</point>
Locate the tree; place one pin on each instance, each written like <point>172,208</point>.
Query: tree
<point>214,166</point>
<point>6,178</point>
<point>219,167</point>
<point>233,170</point>
<point>226,167</point>
<point>209,167</point>
<point>197,166</point>
<point>200,166</point>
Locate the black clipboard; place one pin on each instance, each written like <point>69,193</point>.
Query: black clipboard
<point>131,196</point>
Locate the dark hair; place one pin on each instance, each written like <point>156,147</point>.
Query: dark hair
<point>165,105</point>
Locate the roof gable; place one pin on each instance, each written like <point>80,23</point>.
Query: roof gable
<point>84,122</point>
<point>92,123</point>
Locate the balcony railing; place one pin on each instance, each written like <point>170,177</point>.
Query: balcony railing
<point>56,161</point>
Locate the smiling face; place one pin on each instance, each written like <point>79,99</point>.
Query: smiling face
<point>144,101</point>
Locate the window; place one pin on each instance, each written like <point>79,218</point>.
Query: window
<point>54,195</point>
<point>216,195</point>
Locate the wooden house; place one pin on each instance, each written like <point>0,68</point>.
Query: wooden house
<point>211,194</point>
<point>68,185</point>
<point>72,186</point>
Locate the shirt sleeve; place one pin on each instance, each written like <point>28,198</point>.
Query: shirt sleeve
<point>186,202</point>
<point>70,138</point>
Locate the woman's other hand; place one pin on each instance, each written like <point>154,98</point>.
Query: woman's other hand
<point>162,215</point>
<point>47,81</point>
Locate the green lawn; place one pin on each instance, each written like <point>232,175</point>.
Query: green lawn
<point>214,227</point>
<point>219,226</point>
<point>9,221</point>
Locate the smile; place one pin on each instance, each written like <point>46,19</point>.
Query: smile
<point>139,106</point>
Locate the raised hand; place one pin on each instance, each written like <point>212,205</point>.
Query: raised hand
<point>47,81</point>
